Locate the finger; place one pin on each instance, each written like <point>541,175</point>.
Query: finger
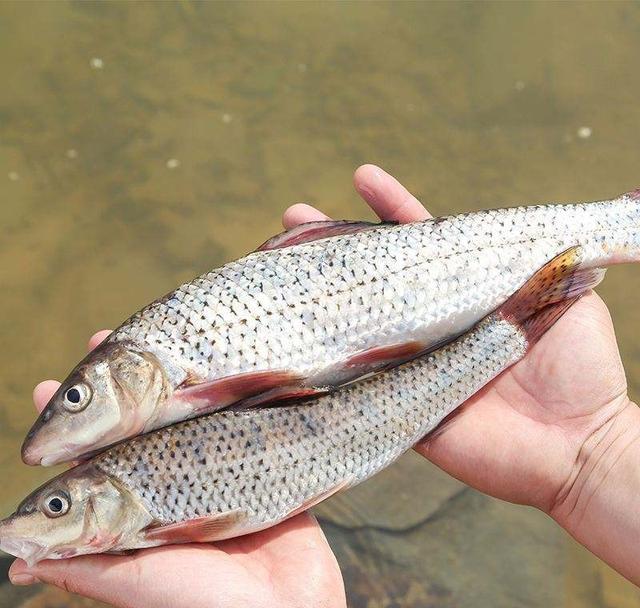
<point>301,213</point>
<point>43,392</point>
<point>97,338</point>
<point>390,200</point>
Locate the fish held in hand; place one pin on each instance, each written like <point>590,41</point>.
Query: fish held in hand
<point>314,309</point>
<point>240,471</point>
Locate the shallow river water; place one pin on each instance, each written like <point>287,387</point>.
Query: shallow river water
<point>142,144</point>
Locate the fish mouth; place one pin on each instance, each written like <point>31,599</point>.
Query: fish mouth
<point>30,455</point>
<point>33,455</point>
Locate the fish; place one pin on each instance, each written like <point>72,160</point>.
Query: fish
<point>239,471</point>
<point>312,310</point>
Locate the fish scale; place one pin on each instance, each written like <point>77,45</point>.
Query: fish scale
<point>476,268</point>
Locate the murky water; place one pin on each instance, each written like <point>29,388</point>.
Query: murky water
<point>141,144</point>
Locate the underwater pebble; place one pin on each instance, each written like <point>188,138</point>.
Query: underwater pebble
<point>96,63</point>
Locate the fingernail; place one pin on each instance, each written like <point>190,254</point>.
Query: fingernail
<point>22,578</point>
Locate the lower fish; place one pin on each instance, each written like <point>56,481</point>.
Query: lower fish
<point>236,472</point>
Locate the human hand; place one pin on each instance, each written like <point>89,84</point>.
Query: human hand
<point>289,565</point>
<point>556,431</point>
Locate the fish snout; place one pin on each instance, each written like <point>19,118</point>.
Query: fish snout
<point>31,455</point>
<point>32,451</point>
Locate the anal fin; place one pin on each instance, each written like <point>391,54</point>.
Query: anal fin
<point>537,324</point>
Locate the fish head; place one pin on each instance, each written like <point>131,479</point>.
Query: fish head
<point>81,511</point>
<point>112,394</point>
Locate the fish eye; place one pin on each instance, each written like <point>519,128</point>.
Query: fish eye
<point>56,504</point>
<point>77,397</point>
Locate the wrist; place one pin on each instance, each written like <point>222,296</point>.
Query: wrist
<point>598,503</point>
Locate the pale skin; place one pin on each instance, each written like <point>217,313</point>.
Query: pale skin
<point>557,431</point>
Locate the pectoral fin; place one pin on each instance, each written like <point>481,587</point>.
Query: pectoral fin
<point>201,530</point>
<point>217,394</point>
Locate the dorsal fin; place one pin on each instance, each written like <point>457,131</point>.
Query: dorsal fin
<point>314,231</point>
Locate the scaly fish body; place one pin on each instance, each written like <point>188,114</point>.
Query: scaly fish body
<point>235,472</point>
<point>316,315</point>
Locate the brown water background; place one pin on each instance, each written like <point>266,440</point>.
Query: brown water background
<point>144,143</point>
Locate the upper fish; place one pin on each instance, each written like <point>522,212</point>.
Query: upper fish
<point>313,309</point>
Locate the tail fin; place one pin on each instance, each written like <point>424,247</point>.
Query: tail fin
<point>549,293</point>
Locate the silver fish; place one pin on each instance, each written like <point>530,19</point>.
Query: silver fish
<point>235,472</point>
<point>315,308</point>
